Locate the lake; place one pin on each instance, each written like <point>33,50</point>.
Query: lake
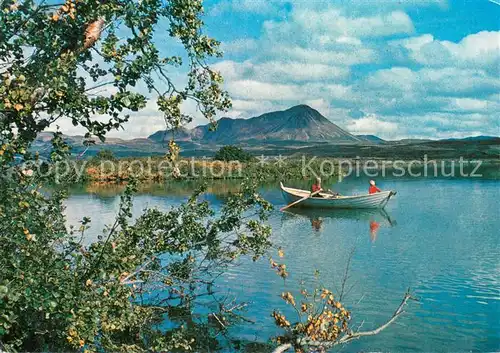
<point>440,237</point>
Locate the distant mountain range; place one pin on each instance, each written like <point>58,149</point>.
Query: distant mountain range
<point>299,123</point>
<point>300,129</point>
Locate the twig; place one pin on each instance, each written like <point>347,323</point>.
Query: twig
<point>346,275</point>
<point>220,322</point>
<point>125,280</point>
<point>282,348</point>
<point>396,314</point>
<point>302,341</point>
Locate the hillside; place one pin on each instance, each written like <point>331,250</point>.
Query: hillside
<point>370,138</point>
<point>299,123</point>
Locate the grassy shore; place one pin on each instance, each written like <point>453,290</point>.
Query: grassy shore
<point>157,169</point>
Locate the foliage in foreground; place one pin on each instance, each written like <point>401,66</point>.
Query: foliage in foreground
<point>75,61</point>
<point>58,293</point>
<point>321,319</point>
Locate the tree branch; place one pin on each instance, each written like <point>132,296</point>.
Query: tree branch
<point>282,348</point>
<point>303,341</point>
<point>397,313</point>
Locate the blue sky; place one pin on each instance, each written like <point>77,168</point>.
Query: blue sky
<point>394,68</point>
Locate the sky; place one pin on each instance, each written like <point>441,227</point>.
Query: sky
<point>392,68</point>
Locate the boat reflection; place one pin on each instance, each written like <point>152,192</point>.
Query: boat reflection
<point>375,218</point>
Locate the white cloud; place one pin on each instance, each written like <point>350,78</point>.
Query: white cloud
<point>344,61</point>
<point>241,45</point>
<point>468,104</point>
<point>299,71</point>
<point>281,71</point>
<point>372,125</point>
<point>433,88</point>
<point>480,49</point>
<point>333,21</point>
<point>231,70</point>
<point>341,56</point>
<point>429,82</point>
<point>251,89</point>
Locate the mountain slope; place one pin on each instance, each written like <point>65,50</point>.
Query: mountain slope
<point>370,138</point>
<point>181,134</point>
<point>299,123</point>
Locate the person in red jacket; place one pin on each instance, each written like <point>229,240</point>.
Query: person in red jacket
<point>317,185</point>
<point>373,189</point>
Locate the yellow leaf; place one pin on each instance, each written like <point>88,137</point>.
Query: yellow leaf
<point>281,253</point>
<point>18,107</point>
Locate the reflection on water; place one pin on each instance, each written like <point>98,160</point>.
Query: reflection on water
<point>445,245</point>
<point>178,188</point>
<point>373,218</point>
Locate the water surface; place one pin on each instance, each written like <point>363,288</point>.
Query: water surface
<point>438,236</point>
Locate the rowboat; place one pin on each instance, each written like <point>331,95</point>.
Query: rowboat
<point>377,200</point>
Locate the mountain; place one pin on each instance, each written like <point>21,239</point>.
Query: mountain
<point>299,123</point>
<point>180,134</point>
<point>295,131</point>
<point>474,138</point>
<point>370,138</point>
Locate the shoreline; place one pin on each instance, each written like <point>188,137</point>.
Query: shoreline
<point>153,170</point>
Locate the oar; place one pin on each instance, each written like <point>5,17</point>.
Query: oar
<point>302,199</point>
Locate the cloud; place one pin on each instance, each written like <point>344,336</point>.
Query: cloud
<point>371,124</point>
<point>443,125</point>
<point>391,96</point>
<point>366,67</point>
<point>332,21</point>
<point>271,7</point>
<point>481,50</point>
<point>471,105</point>
<point>364,64</point>
<point>403,90</point>
<point>299,71</point>
<point>281,71</point>
<point>338,56</point>
<point>263,90</point>
<point>329,36</point>
<point>238,46</point>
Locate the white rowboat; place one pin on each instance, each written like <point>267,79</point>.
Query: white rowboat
<point>377,200</point>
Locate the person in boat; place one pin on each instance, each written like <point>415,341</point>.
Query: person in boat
<point>373,188</point>
<point>317,186</point>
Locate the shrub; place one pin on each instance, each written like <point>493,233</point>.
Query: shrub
<point>233,153</point>
<point>105,155</point>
